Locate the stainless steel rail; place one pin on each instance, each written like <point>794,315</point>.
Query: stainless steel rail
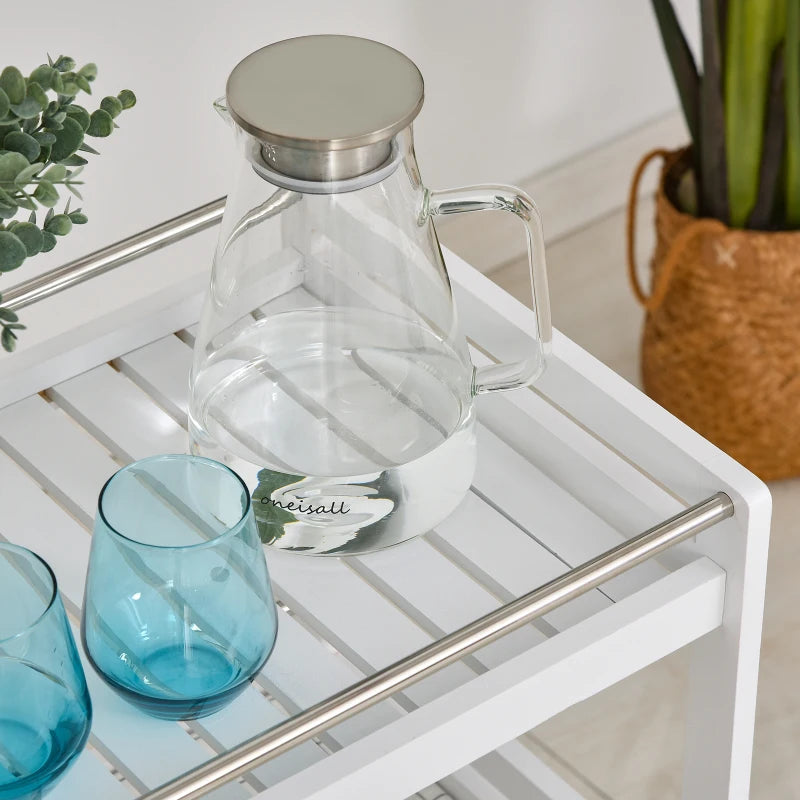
<point>107,258</point>
<point>509,617</point>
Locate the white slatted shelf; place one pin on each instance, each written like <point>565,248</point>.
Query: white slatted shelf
<point>566,470</point>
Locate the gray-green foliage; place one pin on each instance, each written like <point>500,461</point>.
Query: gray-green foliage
<point>42,132</point>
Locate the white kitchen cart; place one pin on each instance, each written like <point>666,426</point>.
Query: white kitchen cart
<point>567,470</point>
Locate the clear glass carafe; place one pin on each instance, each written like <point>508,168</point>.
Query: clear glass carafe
<point>329,367</point>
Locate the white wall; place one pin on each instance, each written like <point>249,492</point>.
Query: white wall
<point>512,87</point>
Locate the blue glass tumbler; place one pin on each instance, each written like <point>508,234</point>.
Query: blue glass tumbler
<point>45,711</point>
<point>178,614</point>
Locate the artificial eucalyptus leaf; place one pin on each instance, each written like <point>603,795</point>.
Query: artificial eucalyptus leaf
<point>13,84</point>
<point>43,75</point>
<point>48,241</point>
<point>7,211</point>
<point>56,173</point>
<point>28,108</point>
<point>64,64</point>
<point>30,125</point>
<point>73,161</point>
<point>127,98</point>
<point>5,104</point>
<point>6,198</point>
<point>23,143</point>
<point>78,218</point>
<point>83,83</point>
<point>7,315</point>
<point>38,94</point>
<point>68,139</point>
<point>69,89</point>
<point>59,225</point>
<point>88,71</point>
<point>12,251</point>
<point>79,114</point>
<point>26,175</point>
<point>8,340</point>
<point>46,193</point>
<point>49,215</point>
<point>113,105</point>
<point>58,83</point>
<point>44,156</point>
<point>87,148</point>
<point>74,191</point>
<point>11,164</point>
<point>31,237</point>
<point>44,137</point>
<point>24,201</point>
<point>101,124</point>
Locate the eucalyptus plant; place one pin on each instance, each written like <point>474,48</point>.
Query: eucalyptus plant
<point>42,134</point>
<point>742,110</point>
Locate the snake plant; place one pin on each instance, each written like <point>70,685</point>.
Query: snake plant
<point>742,109</point>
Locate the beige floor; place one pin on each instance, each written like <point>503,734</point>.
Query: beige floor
<point>627,742</point>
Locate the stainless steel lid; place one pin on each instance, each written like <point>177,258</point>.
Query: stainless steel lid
<point>325,107</point>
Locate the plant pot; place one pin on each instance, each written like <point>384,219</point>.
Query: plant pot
<point>721,340</point>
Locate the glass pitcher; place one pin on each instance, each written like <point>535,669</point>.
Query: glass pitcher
<point>329,368</point>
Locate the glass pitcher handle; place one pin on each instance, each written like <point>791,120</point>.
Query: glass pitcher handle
<point>507,198</point>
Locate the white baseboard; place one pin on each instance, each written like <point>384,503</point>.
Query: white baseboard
<point>570,196</point>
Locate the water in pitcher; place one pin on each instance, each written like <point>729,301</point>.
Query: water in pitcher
<point>346,447</point>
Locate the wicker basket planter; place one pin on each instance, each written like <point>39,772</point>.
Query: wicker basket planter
<point>721,341</point>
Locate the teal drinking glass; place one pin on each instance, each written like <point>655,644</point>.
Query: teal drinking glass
<point>45,711</point>
<point>178,614</point>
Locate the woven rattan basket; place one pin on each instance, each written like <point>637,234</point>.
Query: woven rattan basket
<point>721,341</point>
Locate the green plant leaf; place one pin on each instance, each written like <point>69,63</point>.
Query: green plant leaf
<point>46,194</point>
<point>59,225</point>
<point>45,138</point>
<point>26,175</point>
<point>68,139</point>
<point>56,173</point>
<point>88,71</point>
<point>712,169</point>
<point>112,105</point>
<point>23,143</point>
<point>101,124</point>
<point>13,84</point>
<point>38,94</point>
<point>7,315</point>
<point>44,156</point>
<point>58,83</point>
<point>749,47</point>
<point>74,191</point>
<point>8,340</point>
<point>5,104</point>
<point>11,164</point>
<point>681,61</point>
<point>31,237</point>
<point>43,75</point>
<point>127,98</point>
<point>28,108</point>
<point>83,84</point>
<point>12,251</point>
<point>79,114</point>
<point>48,241</point>
<point>73,161</point>
<point>6,198</point>
<point>87,148</point>
<point>69,90</point>
<point>64,64</point>
<point>7,211</point>
<point>772,150</point>
<point>792,104</point>
<point>78,218</point>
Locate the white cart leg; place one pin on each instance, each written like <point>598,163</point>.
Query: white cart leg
<point>724,663</point>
